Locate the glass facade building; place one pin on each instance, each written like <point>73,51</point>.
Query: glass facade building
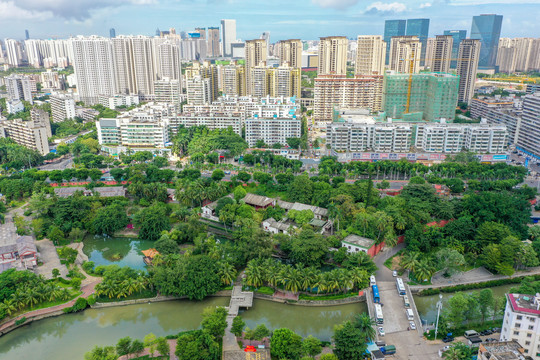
<point>420,28</point>
<point>393,28</point>
<point>487,29</point>
<point>458,35</point>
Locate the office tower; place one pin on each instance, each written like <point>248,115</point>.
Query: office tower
<point>290,52</point>
<point>62,107</point>
<point>338,90</point>
<point>112,33</point>
<point>439,53</point>
<point>419,28</point>
<point>201,32</point>
<point>432,96</point>
<point>487,29</point>
<point>234,80</point>
<point>529,135</point>
<point>26,34</point>
<point>467,66</point>
<point>134,64</point>
<point>393,28</point>
<point>213,42</point>
<point>405,54</point>
<point>33,134</point>
<point>457,36</point>
<point>94,67</point>
<point>370,55</point>
<point>332,55</point>
<point>19,87</point>
<point>228,36</point>
<point>168,64</point>
<point>13,52</point>
<point>256,52</point>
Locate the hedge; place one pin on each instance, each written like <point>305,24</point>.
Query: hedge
<point>480,285</point>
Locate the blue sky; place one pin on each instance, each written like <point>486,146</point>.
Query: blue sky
<point>305,19</point>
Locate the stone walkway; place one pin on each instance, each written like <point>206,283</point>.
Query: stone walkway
<point>239,298</point>
<point>87,290</point>
<point>50,259</point>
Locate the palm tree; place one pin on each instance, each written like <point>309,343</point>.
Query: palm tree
<point>293,280</point>
<point>226,273</point>
<point>423,270</point>
<point>9,306</point>
<point>366,325</point>
<point>254,274</point>
<point>409,260</point>
<point>358,277</point>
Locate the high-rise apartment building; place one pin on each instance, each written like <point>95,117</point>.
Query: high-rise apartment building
<point>419,28</point>
<point>94,67</point>
<point>439,53</point>
<point>62,107</point>
<point>405,54</point>
<point>284,81</point>
<point>228,36</point>
<point>234,80</point>
<point>521,323</point>
<point>338,90</point>
<point>467,66</point>
<point>167,54</point>
<point>393,28</point>
<point>201,32</point>
<point>168,91</point>
<point>33,134</point>
<point>13,52</point>
<point>19,87</point>
<point>529,135</point>
<point>457,36</point>
<point>199,90</point>
<point>290,52</point>
<point>272,130</point>
<point>213,42</point>
<point>370,55</point>
<point>332,55</point>
<point>487,29</point>
<point>256,53</point>
<point>518,54</point>
<point>206,70</point>
<point>433,96</point>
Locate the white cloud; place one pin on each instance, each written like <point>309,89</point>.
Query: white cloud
<point>488,2</point>
<point>68,9</point>
<point>336,4</point>
<point>386,8</point>
<point>425,5</point>
<point>10,11</point>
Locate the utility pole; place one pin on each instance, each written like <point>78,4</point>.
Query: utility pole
<point>439,307</point>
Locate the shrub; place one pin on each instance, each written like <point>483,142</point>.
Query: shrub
<point>79,305</point>
<point>20,321</point>
<point>88,267</point>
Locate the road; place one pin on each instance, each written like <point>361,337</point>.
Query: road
<point>61,165</point>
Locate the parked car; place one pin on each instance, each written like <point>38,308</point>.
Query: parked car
<point>412,325</point>
<point>486,332</point>
<point>381,331</point>
<point>394,273</point>
<point>491,340</point>
<point>448,339</point>
<point>496,330</point>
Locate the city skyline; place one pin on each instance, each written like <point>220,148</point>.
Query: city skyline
<point>305,19</point>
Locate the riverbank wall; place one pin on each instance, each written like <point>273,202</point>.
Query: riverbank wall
<point>349,300</point>
<point>30,320</point>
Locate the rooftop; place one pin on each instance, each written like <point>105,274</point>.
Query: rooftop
<point>504,350</point>
<point>258,200</point>
<point>526,304</point>
<point>359,241</point>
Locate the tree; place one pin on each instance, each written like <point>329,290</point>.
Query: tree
<point>244,176</point>
<point>152,221</point>
<point>198,345</point>
<point>293,142</point>
<point>55,273</point>
<point>218,174</point>
<point>150,341</point>
<point>385,184</point>
<point>137,347</point>
<point>485,302</point>
<point>449,260</point>
<point>123,347</point>
<point>328,357</point>
<point>165,245</point>
<point>417,180</point>
<point>214,321</point>
<point>456,309</point>
<point>239,193</point>
<point>366,325</point>
<point>301,189</point>
<point>117,174</point>
<point>260,144</point>
<point>98,353</point>
<point>110,219</point>
<point>309,248</point>
<point>163,346</point>
<point>458,351</point>
<point>260,332</point>
<point>349,344</point>
<point>238,325</point>
<point>285,344</point>
<point>56,235</point>
<point>312,346</point>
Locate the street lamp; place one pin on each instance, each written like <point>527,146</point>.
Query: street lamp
<point>439,307</point>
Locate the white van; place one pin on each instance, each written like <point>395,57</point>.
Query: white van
<point>372,280</point>
<point>406,301</point>
<point>410,314</point>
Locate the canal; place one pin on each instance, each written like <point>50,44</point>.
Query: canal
<point>69,336</point>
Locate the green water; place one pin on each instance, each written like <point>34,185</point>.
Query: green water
<point>121,251</point>
<point>68,337</point>
<point>427,305</point>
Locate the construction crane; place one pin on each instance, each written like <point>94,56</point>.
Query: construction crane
<point>519,79</point>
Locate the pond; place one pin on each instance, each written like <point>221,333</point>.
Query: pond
<point>120,251</point>
<point>427,305</point>
<point>69,336</point>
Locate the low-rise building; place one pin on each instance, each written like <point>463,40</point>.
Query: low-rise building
<point>114,101</point>
<point>109,191</point>
<point>521,322</point>
<point>212,120</point>
<point>272,130</point>
<point>502,350</point>
<point>19,253</point>
<point>354,243</point>
<point>14,106</point>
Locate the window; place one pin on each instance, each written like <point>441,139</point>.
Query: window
<point>531,327</point>
<point>517,325</point>
<point>519,317</point>
<point>529,335</point>
<point>516,332</point>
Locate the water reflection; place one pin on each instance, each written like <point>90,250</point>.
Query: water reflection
<point>121,251</point>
